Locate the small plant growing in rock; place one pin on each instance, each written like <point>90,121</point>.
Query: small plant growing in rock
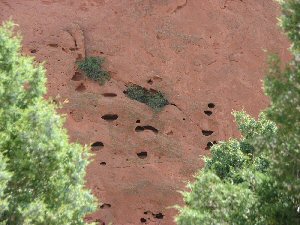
<point>92,67</point>
<point>155,99</point>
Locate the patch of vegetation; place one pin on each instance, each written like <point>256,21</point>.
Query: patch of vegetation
<point>92,67</point>
<point>155,99</point>
<point>42,175</point>
<point>255,180</point>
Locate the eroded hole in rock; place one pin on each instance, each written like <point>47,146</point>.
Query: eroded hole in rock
<point>110,95</point>
<point>150,81</point>
<point>208,112</point>
<point>81,88</point>
<point>211,105</point>
<point>105,206</point>
<point>143,128</point>
<point>77,76</point>
<point>96,146</point>
<point>33,51</point>
<point>142,155</point>
<point>103,163</point>
<point>151,128</point>
<point>53,45</point>
<point>139,129</point>
<point>110,117</point>
<point>138,121</point>
<point>158,215</point>
<point>215,142</point>
<point>207,132</point>
<point>143,220</point>
<point>209,145</point>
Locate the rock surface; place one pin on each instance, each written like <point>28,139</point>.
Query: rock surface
<point>197,52</point>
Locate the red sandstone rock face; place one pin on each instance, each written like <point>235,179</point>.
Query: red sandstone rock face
<point>195,51</point>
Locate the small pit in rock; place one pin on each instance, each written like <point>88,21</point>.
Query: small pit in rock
<point>207,132</point>
<point>155,215</point>
<point>150,81</point>
<point>80,88</point>
<point>96,146</point>
<point>208,112</point>
<point>211,105</point>
<point>142,155</point>
<point>110,117</point>
<point>209,145</point>
<point>158,215</point>
<point>147,127</point>
<point>153,129</point>
<point>33,51</point>
<point>138,121</point>
<point>109,95</point>
<point>77,76</point>
<point>143,220</point>
<point>53,45</point>
<point>139,129</point>
<point>105,206</point>
<point>103,163</point>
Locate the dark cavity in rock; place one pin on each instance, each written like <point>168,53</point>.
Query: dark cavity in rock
<point>211,105</point>
<point>110,117</point>
<point>77,76</point>
<point>207,132</point>
<point>105,206</point>
<point>96,146</point>
<point>209,145</point>
<point>142,155</point>
<point>208,112</point>
<point>158,215</point>
<point>110,95</point>
<point>81,88</point>
<point>143,128</point>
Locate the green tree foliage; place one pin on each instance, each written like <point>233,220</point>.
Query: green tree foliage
<point>4,178</point>
<point>256,179</point>
<point>41,173</point>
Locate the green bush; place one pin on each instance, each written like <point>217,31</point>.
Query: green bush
<point>92,67</point>
<point>263,166</point>
<point>155,100</point>
<point>41,173</point>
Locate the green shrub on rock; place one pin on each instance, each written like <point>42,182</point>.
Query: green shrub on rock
<point>154,99</point>
<point>92,67</point>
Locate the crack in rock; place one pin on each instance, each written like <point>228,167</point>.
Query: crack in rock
<point>179,7</point>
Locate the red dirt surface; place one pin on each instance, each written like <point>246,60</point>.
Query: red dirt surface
<point>195,51</point>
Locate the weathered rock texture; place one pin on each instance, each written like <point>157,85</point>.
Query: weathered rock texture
<point>195,51</point>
